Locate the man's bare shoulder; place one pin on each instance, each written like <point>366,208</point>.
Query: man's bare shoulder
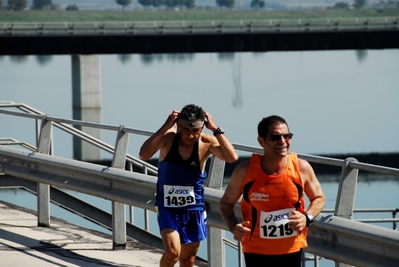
<point>168,137</point>
<point>304,165</point>
<point>306,170</point>
<point>170,133</point>
<point>172,130</point>
<point>166,143</point>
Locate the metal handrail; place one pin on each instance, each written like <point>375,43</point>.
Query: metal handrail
<point>12,141</point>
<point>62,124</point>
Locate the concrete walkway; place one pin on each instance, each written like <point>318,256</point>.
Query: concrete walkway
<point>23,243</point>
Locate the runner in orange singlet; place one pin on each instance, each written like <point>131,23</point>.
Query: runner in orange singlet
<point>274,226</point>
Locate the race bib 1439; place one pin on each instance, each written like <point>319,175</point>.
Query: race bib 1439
<point>178,196</point>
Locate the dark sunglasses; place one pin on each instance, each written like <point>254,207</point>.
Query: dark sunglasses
<point>277,137</point>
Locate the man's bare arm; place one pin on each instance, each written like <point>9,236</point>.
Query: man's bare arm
<point>221,146</point>
<point>157,140</point>
<point>230,197</point>
<point>313,192</point>
<point>313,189</point>
<point>223,149</point>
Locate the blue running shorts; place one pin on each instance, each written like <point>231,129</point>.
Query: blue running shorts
<point>190,224</point>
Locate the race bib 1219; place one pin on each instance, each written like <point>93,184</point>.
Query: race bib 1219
<point>274,224</point>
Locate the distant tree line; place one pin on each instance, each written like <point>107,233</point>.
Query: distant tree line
<point>19,5</point>
<point>72,7</point>
<point>345,5</point>
<point>123,3</point>
<point>36,4</point>
<point>170,4</point>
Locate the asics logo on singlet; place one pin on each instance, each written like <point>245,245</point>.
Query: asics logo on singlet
<point>178,191</point>
<point>273,183</point>
<point>277,217</point>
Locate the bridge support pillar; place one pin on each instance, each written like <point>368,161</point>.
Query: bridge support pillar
<point>86,101</point>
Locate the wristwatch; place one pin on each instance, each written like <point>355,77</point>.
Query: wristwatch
<point>309,219</point>
<point>218,130</point>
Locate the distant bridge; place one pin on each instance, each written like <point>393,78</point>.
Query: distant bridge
<point>198,36</point>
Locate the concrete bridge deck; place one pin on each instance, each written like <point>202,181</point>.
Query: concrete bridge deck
<point>23,243</point>
<point>196,37</point>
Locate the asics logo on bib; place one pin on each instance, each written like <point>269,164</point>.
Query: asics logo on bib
<point>278,217</point>
<point>178,191</point>
<point>269,218</point>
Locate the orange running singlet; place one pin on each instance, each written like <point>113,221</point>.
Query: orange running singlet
<point>267,203</point>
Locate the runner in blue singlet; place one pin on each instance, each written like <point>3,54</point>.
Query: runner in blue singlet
<point>183,152</point>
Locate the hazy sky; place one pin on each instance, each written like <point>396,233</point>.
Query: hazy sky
<point>334,101</point>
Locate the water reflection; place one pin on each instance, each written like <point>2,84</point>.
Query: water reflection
<point>125,58</point>
<point>149,59</point>
<point>146,59</point>
<point>44,60</point>
<point>237,94</point>
<point>361,55</point>
<point>19,59</point>
<point>225,56</point>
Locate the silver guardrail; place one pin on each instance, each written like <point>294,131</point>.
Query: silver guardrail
<point>338,235</point>
<point>330,236</point>
<point>199,27</point>
<point>353,243</point>
<point>63,124</point>
<point>131,188</point>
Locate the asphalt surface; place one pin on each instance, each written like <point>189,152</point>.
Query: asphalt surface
<point>23,243</point>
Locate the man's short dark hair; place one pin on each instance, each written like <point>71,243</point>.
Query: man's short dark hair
<point>265,124</point>
<point>192,112</point>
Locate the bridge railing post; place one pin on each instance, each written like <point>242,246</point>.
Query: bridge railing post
<point>118,209</point>
<point>346,190</point>
<point>43,190</point>
<point>216,253</point>
<point>346,194</point>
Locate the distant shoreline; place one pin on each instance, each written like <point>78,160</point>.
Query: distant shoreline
<point>383,159</point>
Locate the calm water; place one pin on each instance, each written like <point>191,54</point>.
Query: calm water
<point>334,102</point>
